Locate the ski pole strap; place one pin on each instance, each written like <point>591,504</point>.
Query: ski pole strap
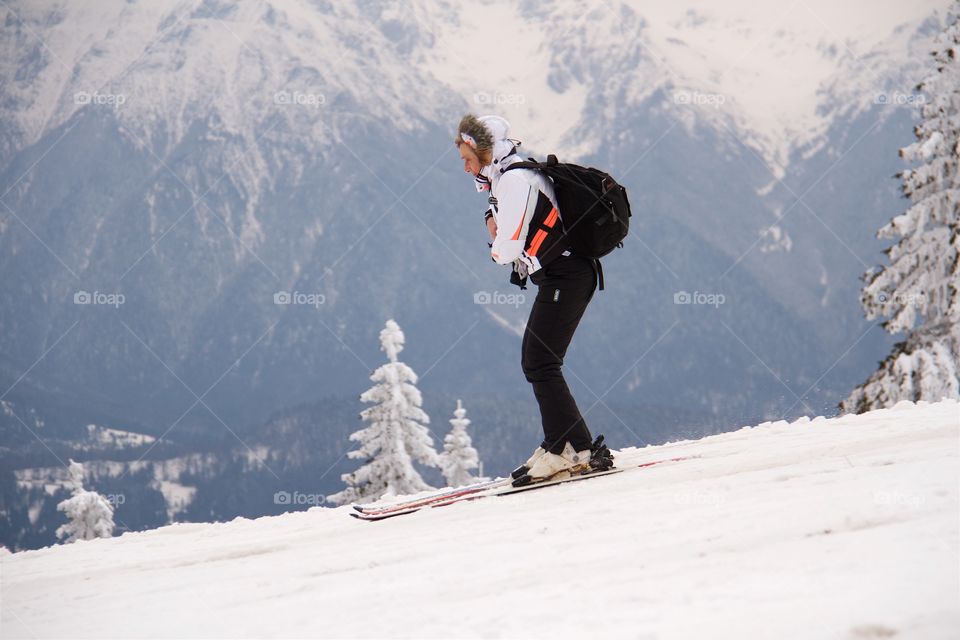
<point>517,280</point>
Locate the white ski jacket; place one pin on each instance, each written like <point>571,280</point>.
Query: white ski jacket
<point>517,197</point>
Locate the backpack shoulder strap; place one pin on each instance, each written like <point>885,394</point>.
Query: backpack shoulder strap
<point>533,163</point>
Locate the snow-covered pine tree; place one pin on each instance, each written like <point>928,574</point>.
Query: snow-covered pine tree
<point>90,514</point>
<point>918,291</point>
<point>458,456</point>
<point>396,435</point>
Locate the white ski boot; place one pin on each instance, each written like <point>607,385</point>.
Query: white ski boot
<point>553,465</point>
<point>525,467</point>
<point>544,465</point>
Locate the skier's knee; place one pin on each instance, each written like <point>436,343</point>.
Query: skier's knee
<point>541,372</point>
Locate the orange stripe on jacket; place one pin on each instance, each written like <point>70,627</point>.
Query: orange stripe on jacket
<point>552,218</point>
<point>537,241</point>
<point>539,237</point>
<point>516,234</point>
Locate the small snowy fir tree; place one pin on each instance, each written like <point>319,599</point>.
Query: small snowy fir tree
<point>90,514</point>
<point>396,435</point>
<point>918,291</point>
<point>458,456</point>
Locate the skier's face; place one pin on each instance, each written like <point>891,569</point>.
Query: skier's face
<point>471,163</point>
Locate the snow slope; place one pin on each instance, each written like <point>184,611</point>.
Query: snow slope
<point>840,528</point>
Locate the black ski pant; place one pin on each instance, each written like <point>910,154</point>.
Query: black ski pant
<point>565,287</point>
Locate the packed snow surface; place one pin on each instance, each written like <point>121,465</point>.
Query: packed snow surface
<point>824,528</point>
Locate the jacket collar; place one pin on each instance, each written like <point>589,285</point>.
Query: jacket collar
<point>507,156</point>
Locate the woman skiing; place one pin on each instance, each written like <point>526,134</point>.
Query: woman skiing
<point>526,228</point>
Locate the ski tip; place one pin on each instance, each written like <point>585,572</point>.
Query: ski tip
<point>357,507</point>
<point>370,518</point>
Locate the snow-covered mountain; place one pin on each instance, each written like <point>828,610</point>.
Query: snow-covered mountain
<point>781,75</point>
<point>169,170</point>
<point>775,76</point>
<point>824,528</point>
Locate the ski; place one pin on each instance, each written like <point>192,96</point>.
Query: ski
<point>504,489</point>
<point>443,495</point>
<point>424,500</point>
<point>438,502</point>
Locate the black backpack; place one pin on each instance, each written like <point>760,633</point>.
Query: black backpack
<point>594,208</point>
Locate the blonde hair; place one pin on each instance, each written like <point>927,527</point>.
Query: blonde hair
<point>471,126</point>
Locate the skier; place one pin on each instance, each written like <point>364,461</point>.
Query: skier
<point>526,230</point>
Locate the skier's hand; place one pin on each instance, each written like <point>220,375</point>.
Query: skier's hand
<point>492,227</point>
